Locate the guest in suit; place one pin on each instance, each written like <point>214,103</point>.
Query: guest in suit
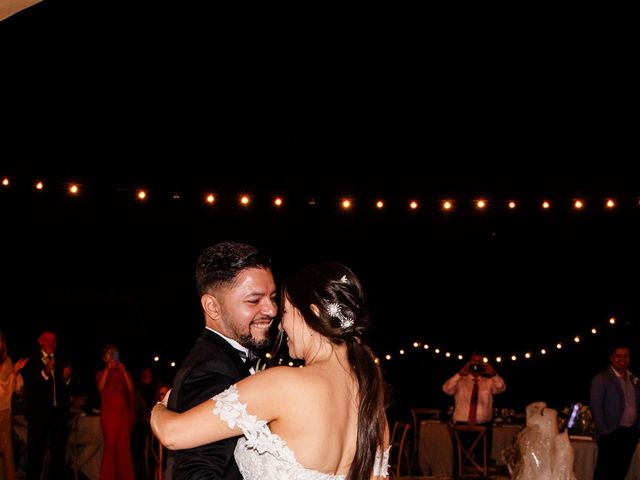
<point>10,381</point>
<point>116,416</point>
<point>46,379</point>
<point>237,294</point>
<point>615,402</point>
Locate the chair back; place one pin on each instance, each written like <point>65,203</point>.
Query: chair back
<point>399,457</point>
<point>471,443</point>
<point>418,415</point>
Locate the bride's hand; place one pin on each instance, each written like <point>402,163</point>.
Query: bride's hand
<point>165,399</point>
<point>159,411</point>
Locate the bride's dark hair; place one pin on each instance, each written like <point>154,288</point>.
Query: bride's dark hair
<point>344,319</point>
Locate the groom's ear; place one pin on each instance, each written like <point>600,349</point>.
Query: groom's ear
<point>211,306</point>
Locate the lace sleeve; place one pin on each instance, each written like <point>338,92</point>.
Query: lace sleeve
<point>234,413</point>
<point>381,464</point>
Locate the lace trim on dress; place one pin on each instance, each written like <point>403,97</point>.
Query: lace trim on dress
<point>381,464</point>
<point>259,437</point>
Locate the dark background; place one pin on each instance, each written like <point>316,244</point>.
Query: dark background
<point>311,102</point>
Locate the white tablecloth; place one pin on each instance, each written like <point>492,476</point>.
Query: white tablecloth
<point>586,455</point>
<point>85,442</point>
<point>435,452</point>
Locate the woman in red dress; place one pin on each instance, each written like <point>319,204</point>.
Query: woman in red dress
<point>116,416</point>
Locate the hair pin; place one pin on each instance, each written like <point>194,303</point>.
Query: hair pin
<point>335,310</point>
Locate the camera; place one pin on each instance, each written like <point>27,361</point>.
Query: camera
<point>115,356</point>
<point>477,367</point>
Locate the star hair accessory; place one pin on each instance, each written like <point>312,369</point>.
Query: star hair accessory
<point>335,310</point>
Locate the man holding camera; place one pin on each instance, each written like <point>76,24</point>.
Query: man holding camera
<point>474,387</point>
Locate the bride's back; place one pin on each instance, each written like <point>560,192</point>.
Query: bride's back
<point>318,414</point>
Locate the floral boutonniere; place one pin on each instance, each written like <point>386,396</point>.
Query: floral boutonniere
<point>260,365</point>
<point>635,380</point>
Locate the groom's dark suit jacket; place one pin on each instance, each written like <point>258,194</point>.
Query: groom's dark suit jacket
<point>211,367</point>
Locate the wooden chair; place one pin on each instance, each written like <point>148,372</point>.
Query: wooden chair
<point>469,439</point>
<point>418,415</point>
<point>154,454</point>
<point>400,455</point>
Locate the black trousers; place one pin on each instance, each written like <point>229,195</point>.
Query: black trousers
<point>49,430</point>
<point>615,452</point>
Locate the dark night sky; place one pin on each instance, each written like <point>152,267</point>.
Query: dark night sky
<point>203,96</point>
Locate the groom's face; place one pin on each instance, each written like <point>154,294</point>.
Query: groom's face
<point>248,307</point>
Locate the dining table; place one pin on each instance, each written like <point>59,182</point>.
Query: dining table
<point>435,451</point>
<point>84,444</point>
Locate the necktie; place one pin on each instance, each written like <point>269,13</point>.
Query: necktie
<point>247,356</point>
<point>473,405</point>
<point>53,377</point>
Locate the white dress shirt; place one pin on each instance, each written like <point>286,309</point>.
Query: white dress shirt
<point>462,386</point>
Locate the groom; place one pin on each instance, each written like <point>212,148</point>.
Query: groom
<point>237,294</point>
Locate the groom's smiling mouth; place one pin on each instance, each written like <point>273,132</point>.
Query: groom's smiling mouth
<point>261,324</point>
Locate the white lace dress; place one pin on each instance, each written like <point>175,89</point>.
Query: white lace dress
<point>263,455</point>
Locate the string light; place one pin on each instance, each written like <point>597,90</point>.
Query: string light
<point>156,358</point>
<point>346,203</point>
<point>74,189</point>
<point>575,339</point>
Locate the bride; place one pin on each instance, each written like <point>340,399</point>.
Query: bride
<point>323,421</point>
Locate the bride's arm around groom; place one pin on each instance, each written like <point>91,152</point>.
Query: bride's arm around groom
<point>327,417</point>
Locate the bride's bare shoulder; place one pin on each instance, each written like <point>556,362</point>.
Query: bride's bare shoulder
<point>286,380</point>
